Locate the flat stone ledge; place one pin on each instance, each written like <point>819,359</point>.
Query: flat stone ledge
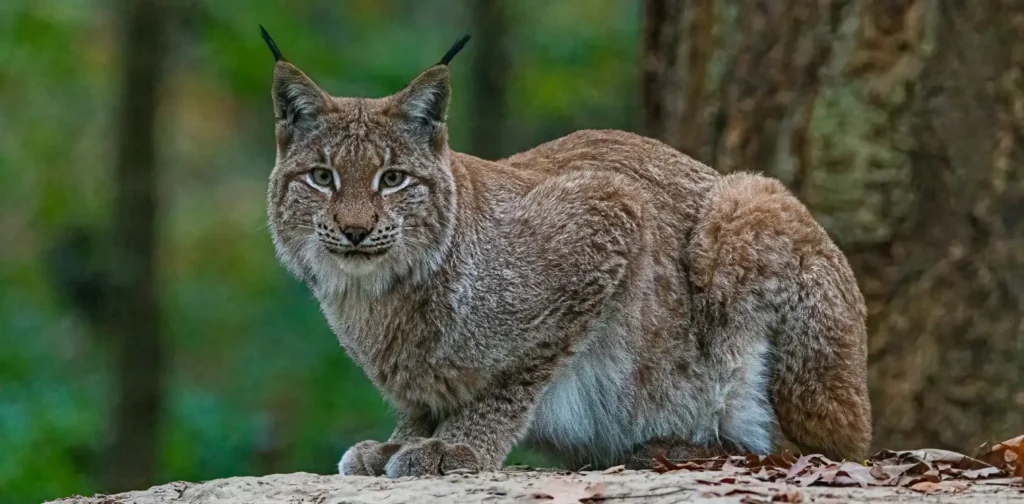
<point>534,486</point>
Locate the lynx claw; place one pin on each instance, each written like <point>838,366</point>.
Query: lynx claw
<point>432,457</point>
<point>367,458</point>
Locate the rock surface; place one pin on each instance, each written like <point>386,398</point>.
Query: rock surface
<point>536,486</point>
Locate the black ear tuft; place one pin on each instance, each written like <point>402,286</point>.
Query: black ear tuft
<point>456,47</point>
<point>271,45</point>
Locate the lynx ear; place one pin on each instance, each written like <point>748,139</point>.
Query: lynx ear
<point>298,101</point>
<point>423,104</point>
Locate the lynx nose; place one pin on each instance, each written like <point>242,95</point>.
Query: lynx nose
<point>355,234</point>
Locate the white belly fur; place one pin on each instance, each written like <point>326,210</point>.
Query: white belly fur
<point>589,411</point>
<point>584,406</point>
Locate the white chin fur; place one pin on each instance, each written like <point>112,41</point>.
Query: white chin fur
<point>336,274</point>
<point>357,266</point>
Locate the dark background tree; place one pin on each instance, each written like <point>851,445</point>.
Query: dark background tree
<point>900,124</point>
<point>132,309</point>
<point>489,79</point>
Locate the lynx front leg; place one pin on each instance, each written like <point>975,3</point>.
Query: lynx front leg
<point>368,458</point>
<point>478,437</point>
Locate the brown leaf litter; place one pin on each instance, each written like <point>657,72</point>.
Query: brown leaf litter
<point>771,478</point>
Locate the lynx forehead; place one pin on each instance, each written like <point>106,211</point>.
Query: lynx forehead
<point>601,297</point>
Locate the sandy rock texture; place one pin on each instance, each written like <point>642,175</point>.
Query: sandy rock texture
<point>540,487</point>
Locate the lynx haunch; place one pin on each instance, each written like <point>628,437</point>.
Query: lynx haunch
<point>601,297</point>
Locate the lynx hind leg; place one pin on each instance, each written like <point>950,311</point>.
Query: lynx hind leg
<point>758,248</point>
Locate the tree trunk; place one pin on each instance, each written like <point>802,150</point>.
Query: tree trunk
<point>898,122</point>
<point>490,70</point>
<point>132,313</point>
<point>946,353</point>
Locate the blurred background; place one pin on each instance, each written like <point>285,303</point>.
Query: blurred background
<point>147,333</point>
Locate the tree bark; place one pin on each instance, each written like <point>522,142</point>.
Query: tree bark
<point>947,325</point>
<point>898,122</point>
<point>490,78</point>
<point>133,315</point>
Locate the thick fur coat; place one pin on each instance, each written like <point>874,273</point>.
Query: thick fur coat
<point>601,297</point>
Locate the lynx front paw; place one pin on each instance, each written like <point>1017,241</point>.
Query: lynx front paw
<point>367,458</point>
<point>432,457</point>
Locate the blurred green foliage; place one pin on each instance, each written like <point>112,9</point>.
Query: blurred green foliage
<point>257,381</point>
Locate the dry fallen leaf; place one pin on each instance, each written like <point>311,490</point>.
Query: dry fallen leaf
<point>940,487</point>
<point>664,465</point>
<point>729,468</point>
<point>926,470</point>
<point>727,490</point>
<point>931,456</point>
<point>785,460</point>
<point>805,462</point>
<point>835,477</point>
<point>763,475</point>
<point>981,473</point>
<point>925,487</point>
<point>596,493</point>
<point>808,479</point>
<point>614,470</point>
<point>1018,458</point>
<point>1007,455</point>
<point>956,486</point>
<point>569,491</point>
<point>790,496</point>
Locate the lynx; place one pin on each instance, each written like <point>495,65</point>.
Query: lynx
<point>602,297</point>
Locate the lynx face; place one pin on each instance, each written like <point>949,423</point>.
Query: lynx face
<point>362,194</point>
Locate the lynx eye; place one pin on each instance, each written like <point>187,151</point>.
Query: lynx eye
<point>392,178</point>
<point>322,177</point>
